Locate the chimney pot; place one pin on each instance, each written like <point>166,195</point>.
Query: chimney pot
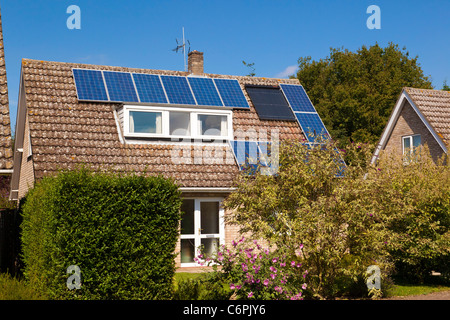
<point>195,62</point>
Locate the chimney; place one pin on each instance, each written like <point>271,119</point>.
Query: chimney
<point>195,62</point>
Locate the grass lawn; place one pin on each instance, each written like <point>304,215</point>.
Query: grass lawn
<point>412,289</point>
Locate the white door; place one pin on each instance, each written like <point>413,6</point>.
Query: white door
<point>202,228</point>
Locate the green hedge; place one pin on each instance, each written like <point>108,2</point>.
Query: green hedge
<point>121,231</point>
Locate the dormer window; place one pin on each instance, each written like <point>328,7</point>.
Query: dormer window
<point>154,122</point>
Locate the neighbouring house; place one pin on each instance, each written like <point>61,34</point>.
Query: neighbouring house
<point>6,154</point>
<point>199,128</point>
<point>420,117</point>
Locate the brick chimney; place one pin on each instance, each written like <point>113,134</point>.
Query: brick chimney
<point>195,62</point>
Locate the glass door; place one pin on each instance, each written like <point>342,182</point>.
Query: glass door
<point>202,228</point>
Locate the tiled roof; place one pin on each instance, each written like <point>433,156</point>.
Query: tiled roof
<point>65,132</point>
<point>6,155</point>
<point>435,106</point>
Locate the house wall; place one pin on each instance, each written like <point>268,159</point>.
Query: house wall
<point>409,123</point>
<point>26,168</point>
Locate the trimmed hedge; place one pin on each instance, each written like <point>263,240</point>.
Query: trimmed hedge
<point>121,231</point>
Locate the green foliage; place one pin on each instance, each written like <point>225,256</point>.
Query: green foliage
<point>255,272</point>
<point>422,219</point>
<point>389,214</point>
<point>121,231</point>
<point>445,86</point>
<point>204,286</point>
<point>355,92</point>
<point>16,289</point>
<point>251,68</point>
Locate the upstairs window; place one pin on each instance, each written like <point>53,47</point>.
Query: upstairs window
<point>410,145</point>
<point>154,122</point>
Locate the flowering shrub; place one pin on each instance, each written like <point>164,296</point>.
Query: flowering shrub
<point>255,272</point>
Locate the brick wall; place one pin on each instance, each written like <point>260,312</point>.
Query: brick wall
<point>26,171</point>
<point>407,124</point>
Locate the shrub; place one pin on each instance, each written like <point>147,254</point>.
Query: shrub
<point>308,202</point>
<point>121,232</point>
<point>16,289</point>
<point>254,272</point>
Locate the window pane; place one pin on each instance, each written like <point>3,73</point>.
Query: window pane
<point>212,125</point>
<point>406,144</point>
<point>187,219</point>
<point>180,123</point>
<point>210,246</point>
<point>416,141</point>
<point>209,215</point>
<point>145,122</point>
<point>187,250</point>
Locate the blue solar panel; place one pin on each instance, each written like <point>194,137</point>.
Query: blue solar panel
<point>205,92</point>
<point>120,86</point>
<point>312,126</point>
<point>90,85</point>
<point>149,88</point>
<point>177,89</point>
<point>231,93</point>
<point>246,153</point>
<point>297,97</point>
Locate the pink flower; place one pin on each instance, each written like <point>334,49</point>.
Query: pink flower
<point>278,289</point>
<point>304,286</point>
<point>250,295</point>
<point>293,263</point>
<point>283,264</point>
<point>272,276</point>
<point>232,286</point>
<point>266,282</point>
<point>272,268</point>
<point>274,260</point>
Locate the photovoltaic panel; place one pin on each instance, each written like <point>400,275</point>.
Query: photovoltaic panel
<point>246,153</point>
<point>204,91</point>
<point>149,88</point>
<point>270,103</point>
<point>90,85</point>
<point>297,97</point>
<point>177,89</point>
<point>120,86</point>
<point>312,125</point>
<point>231,93</point>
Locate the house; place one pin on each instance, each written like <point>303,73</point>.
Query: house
<point>199,128</point>
<point>6,155</point>
<point>420,117</point>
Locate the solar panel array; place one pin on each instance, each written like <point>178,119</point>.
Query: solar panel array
<point>112,86</point>
<point>251,154</point>
<point>307,116</point>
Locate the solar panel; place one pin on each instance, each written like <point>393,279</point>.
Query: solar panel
<point>149,88</point>
<point>120,86</point>
<point>205,91</point>
<point>177,89</point>
<point>246,153</point>
<point>270,103</point>
<point>312,125</point>
<point>231,93</point>
<point>297,97</point>
<point>90,85</point>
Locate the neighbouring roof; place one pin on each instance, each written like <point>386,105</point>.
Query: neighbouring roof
<point>435,106</point>
<point>6,155</point>
<point>65,132</point>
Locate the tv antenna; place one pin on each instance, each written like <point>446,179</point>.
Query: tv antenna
<point>182,47</point>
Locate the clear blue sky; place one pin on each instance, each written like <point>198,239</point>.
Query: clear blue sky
<point>272,34</point>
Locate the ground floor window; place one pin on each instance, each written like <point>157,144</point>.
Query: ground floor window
<point>202,227</point>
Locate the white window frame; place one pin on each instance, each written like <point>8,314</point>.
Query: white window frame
<point>411,148</point>
<point>165,133</point>
<point>197,236</point>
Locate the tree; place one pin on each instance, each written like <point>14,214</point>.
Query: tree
<point>355,92</point>
<point>445,86</point>
<point>305,205</point>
